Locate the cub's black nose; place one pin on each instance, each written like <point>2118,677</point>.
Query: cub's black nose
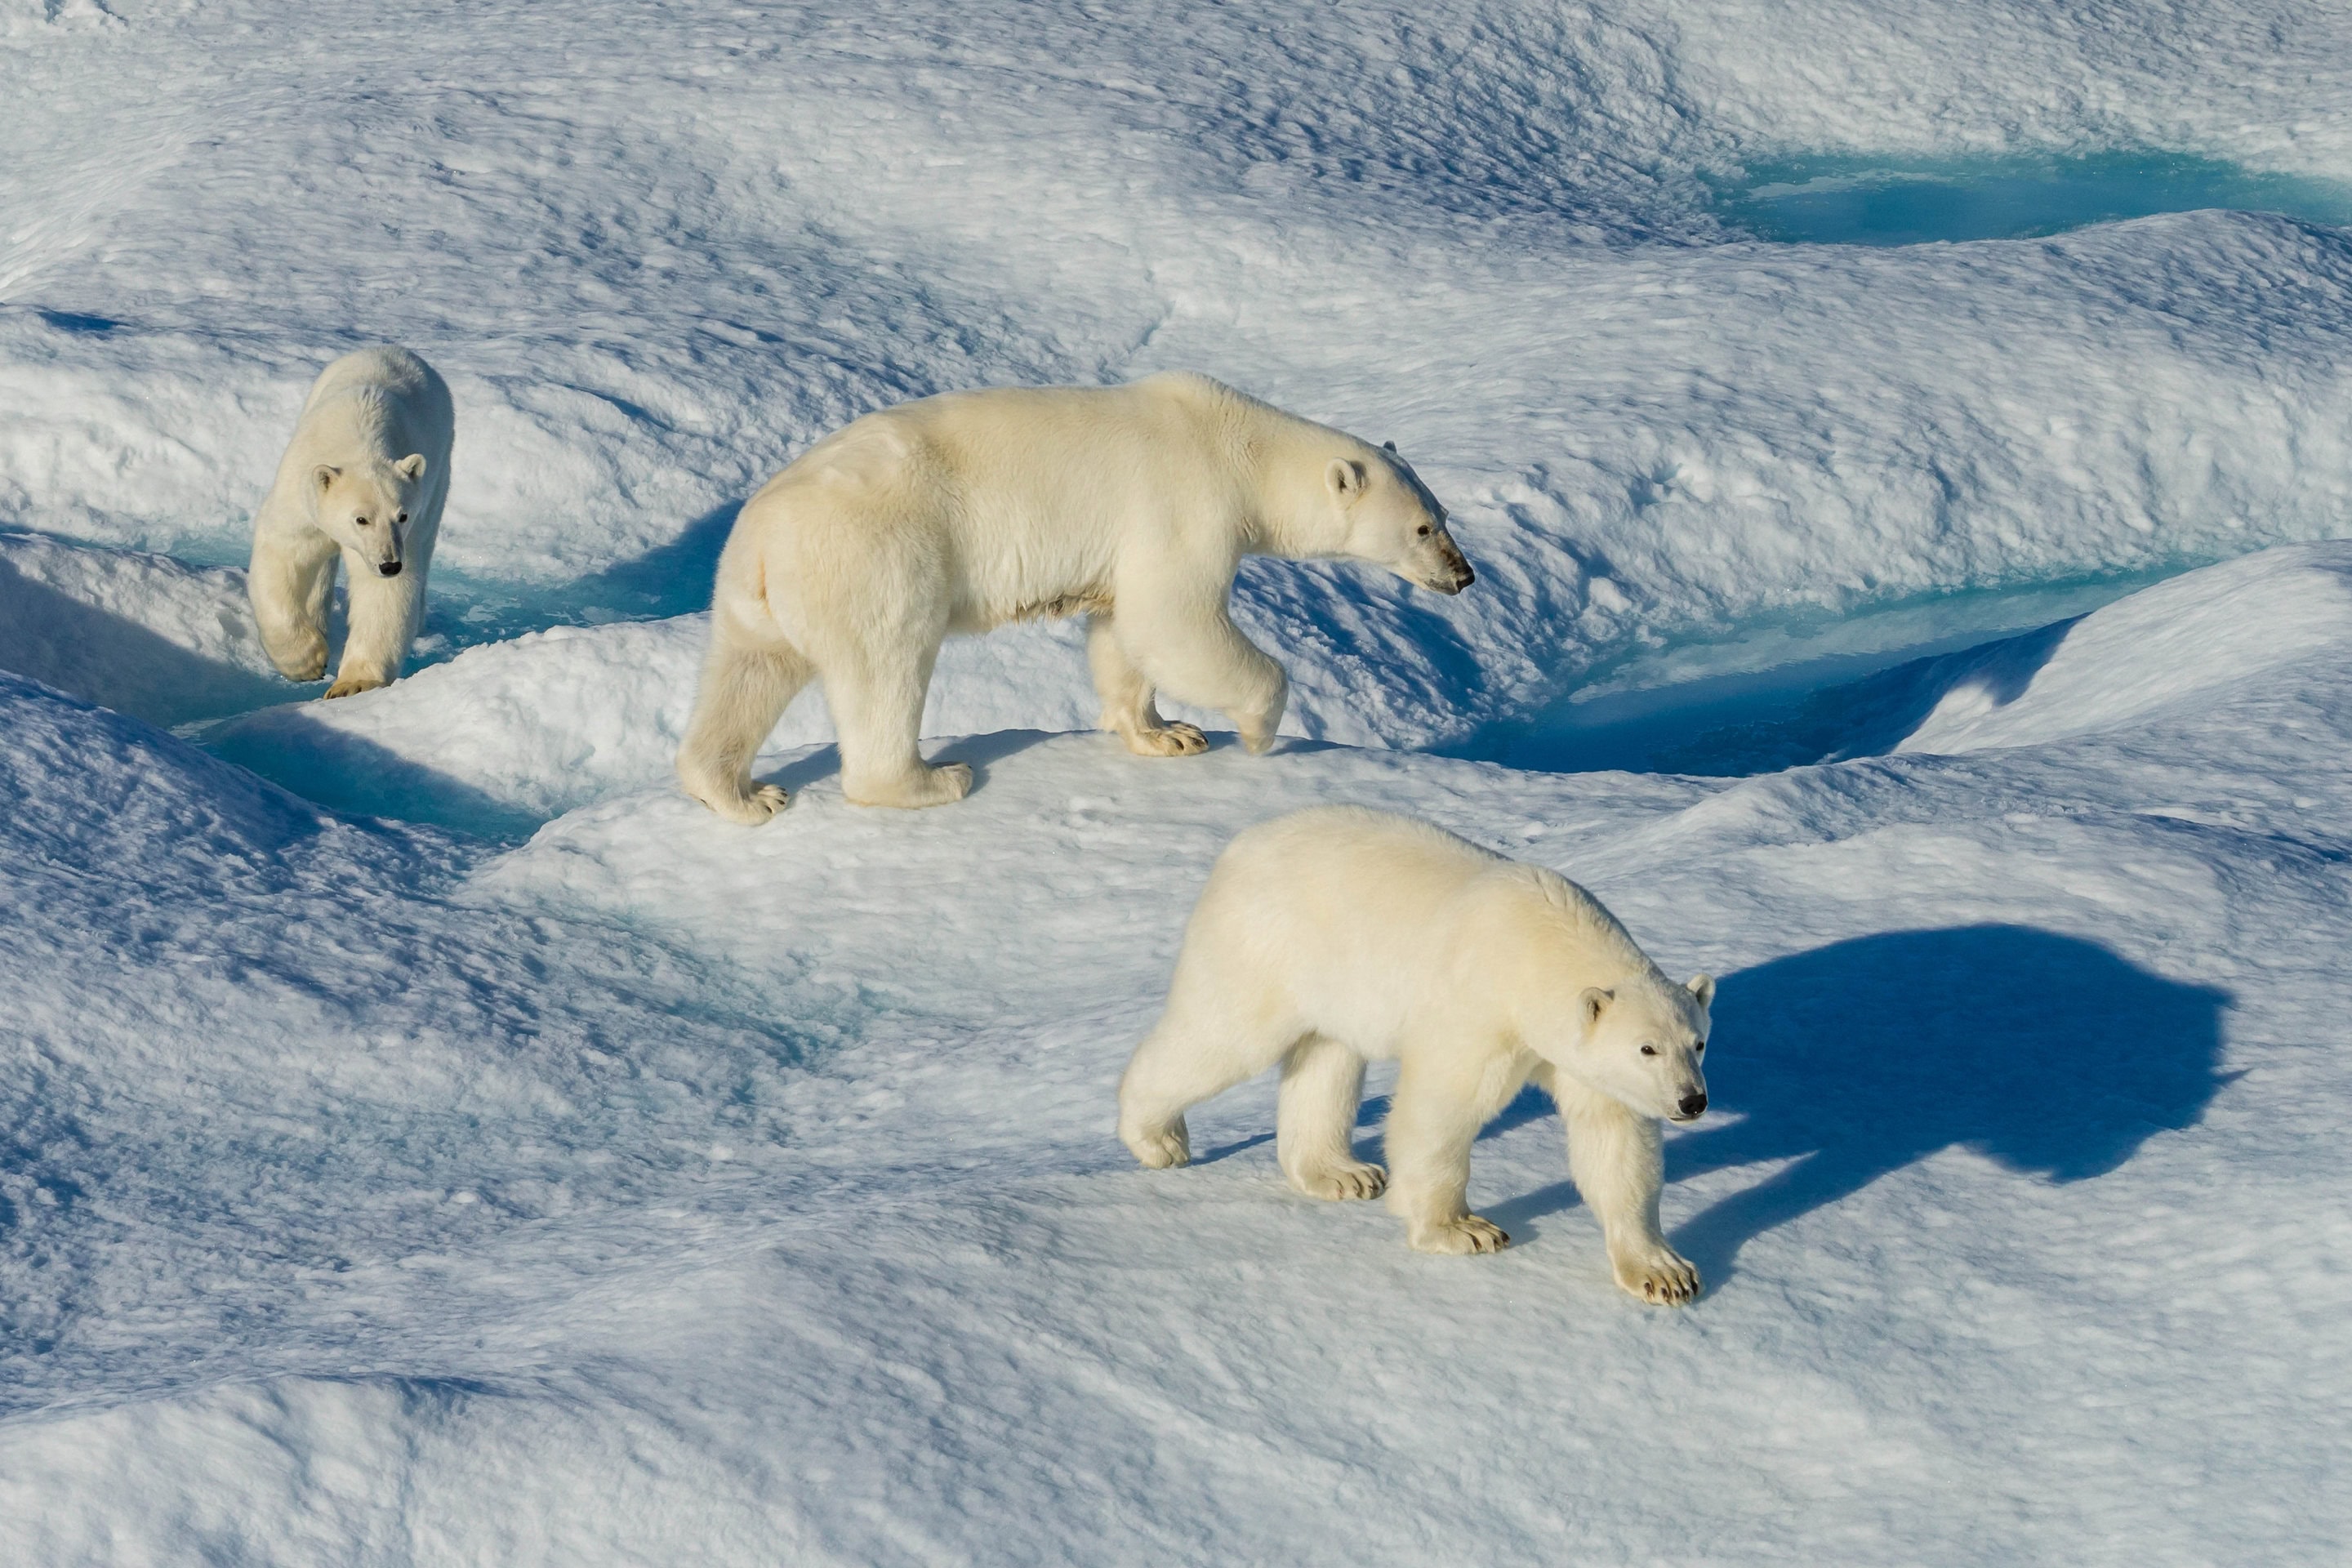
<point>1463,578</point>
<point>390,568</point>
<point>1692,1104</point>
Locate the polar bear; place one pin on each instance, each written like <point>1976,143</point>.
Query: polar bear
<point>1337,934</point>
<point>364,478</point>
<point>1130,505</point>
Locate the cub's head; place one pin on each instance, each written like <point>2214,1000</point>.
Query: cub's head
<point>1391,519</point>
<point>1642,1045</point>
<point>366,508</point>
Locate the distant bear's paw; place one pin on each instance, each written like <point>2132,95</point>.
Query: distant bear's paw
<point>352,685</point>
<point>1338,1183</point>
<point>1170,739</point>
<point>1157,1149</point>
<point>942,785</point>
<point>1658,1275</point>
<point>1468,1234</point>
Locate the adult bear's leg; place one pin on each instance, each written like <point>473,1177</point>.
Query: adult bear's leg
<point>1194,653</point>
<point>289,581</point>
<point>1190,1057</point>
<point>384,613</point>
<point>1128,709</point>
<point>1615,1155</point>
<point>746,685</point>
<point>1315,1122</point>
<point>876,697</point>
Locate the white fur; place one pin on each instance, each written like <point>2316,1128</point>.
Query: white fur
<point>1132,505</point>
<point>1338,935</point>
<point>372,443</point>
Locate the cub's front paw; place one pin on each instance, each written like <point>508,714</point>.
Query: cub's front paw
<point>1173,739</point>
<point>1157,1149</point>
<point>352,685</point>
<point>1338,1184</point>
<point>1469,1234</point>
<point>1659,1274</point>
<point>752,806</point>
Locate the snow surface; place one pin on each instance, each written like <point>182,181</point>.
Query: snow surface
<point>479,1153</point>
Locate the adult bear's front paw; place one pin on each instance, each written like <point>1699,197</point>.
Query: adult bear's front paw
<point>352,685</point>
<point>1173,739</point>
<point>1466,1234</point>
<point>1658,1275</point>
<point>1160,1148</point>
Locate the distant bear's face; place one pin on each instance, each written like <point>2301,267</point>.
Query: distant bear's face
<point>1643,1045</point>
<point>1391,517</point>
<point>366,508</point>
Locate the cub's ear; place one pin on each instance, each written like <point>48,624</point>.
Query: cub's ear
<point>1596,1002</point>
<point>324,475</point>
<point>1702,987</point>
<point>1387,446</point>
<point>1347,477</point>
<point>411,467</point>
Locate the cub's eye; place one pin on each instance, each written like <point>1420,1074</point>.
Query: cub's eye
<point>402,517</point>
<point>1649,1050</point>
<point>360,521</point>
<point>1424,531</point>
<point>1699,1049</point>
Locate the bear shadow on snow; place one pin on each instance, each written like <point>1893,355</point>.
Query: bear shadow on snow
<point>2049,1055</point>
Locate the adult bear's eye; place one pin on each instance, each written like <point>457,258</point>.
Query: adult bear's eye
<point>1424,531</point>
<point>360,521</point>
<point>402,517</point>
<point>1699,1049</point>
<point>1649,1050</point>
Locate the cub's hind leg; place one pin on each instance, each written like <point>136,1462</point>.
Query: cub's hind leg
<point>746,685</point>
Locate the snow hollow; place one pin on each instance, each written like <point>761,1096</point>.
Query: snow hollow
<point>427,1136</point>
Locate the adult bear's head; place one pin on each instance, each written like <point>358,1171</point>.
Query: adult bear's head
<point>1391,519</point>
<point>366,508</point>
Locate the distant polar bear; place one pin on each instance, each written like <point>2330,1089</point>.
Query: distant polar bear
<point>364,478</point>
<point>1132,505</point>
<point>1338,934</point>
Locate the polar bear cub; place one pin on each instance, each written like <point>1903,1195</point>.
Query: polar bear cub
<point>1130,505</point>
<point>362,480</point>
<point>1338,934</point>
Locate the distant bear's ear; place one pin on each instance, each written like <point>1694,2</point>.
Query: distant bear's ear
<point>324,475</point>
<point>1347,477</point>
<point>411,467</point>
<point>1702,987</point>
<point>1596,1002</point>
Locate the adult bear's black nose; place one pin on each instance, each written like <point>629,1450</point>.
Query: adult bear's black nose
<point>390,568</point>
<point>1692,1105</point>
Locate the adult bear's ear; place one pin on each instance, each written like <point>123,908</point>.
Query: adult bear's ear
<point>1596,1002</point>
<point>1702,987</point>
<point>411,467</point>
<point>324,475</point>
<point>1346,477</point>
<point>1387,446</point>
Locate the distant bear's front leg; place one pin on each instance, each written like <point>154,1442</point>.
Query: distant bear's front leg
<point>1433,1122</point>
<point>1128,709</point>
<point>1618,1164</point>
<point>384,613</point>
<point>1204,659</point>
<point>288,582</point>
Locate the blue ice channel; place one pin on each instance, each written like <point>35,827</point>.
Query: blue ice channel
<point>1883,201</point>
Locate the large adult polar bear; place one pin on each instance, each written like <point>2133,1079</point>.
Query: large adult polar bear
<point>1337,934</point>
<point>363,481</point>
<point>1132,505</point>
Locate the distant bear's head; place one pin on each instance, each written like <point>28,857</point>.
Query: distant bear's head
<point>366,509</point>
<point>1389,518</point>
<point>1642,1043</point>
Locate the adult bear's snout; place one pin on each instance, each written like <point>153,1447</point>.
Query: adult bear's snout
<point>1692,1106</point>
<point>390,568</point>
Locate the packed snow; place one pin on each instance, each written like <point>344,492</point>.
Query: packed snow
<point>427,1136</point>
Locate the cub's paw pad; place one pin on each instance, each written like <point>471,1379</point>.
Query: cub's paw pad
<point>1170,740</point>
<point>1459,1237</point>
<point>1156,1151</point>
<point>1663,1278</point>
<point>1339,1183</point>
<point>352,685</point>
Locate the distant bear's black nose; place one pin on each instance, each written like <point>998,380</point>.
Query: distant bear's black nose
<point>390,568</point>
<point>1692,1105</point>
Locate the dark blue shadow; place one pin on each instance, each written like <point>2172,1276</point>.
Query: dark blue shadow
<point>2049,1055</point>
